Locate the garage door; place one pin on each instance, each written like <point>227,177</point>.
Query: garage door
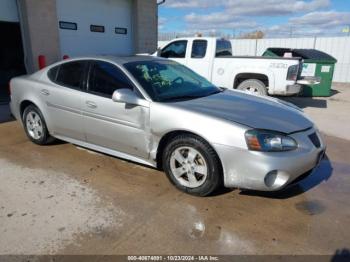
<point>95,27</point>
<point>8,11</point>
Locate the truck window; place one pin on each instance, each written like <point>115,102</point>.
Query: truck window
<point>175,50</point>
<point>223,48</point>
<point>199,48</point>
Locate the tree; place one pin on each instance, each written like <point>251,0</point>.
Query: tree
<point>253,35</point>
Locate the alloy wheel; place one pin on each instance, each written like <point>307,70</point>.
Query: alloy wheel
<point>34,125</point>
<point>188,167</point>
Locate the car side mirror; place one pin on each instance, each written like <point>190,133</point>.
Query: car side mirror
<point>126,96</point>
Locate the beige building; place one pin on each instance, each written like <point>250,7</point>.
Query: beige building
<point>54,28</point>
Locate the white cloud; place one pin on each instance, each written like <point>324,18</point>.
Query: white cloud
<point>309,17</point>
<point>191,3</point>
<point>253,7</point>
<point>322,19</point>
<point>161,22</point>
<point>311,24</point>
<point>274,7</point>
<point>236,14</point>
<point>217,21</point>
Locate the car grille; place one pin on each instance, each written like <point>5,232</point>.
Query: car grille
<point>315,140</point>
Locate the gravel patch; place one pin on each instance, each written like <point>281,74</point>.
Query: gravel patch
<point>42,211</point>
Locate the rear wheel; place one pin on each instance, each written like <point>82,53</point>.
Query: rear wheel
<point>192,165</point>
<point>253,86</point>
<point>35,126</point>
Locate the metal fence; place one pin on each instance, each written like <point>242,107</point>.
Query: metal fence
<point>338,47</point>
<point>167,36</point>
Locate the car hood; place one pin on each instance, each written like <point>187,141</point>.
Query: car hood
<point>250,110</point>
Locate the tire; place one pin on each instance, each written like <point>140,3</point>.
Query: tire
<point>184,175</point>
<point>253,86</point>
<point>35,126</point>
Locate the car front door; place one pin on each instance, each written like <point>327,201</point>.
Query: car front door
<point>116,126</point>
<point>63,99</point>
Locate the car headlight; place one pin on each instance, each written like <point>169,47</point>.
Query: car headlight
<point>269,141</point>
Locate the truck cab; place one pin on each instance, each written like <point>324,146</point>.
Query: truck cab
<point>213,59</point>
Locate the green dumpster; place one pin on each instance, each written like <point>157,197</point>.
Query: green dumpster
<point>315,63</point>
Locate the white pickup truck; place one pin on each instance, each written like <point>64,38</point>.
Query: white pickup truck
<point>212,58</point>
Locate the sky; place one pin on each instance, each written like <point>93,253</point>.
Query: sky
<point>276,18</point>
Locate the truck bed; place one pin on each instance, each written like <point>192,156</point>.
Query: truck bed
<point>263,57</point>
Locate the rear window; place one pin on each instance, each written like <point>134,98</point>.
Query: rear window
<point>223,48</point>
<point>71,74</point>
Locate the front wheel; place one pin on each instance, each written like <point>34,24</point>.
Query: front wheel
<point>253,86</point>
<point>192,165</point>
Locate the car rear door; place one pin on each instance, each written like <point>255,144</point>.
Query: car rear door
<point>64,99</point>
<point>116,126</point>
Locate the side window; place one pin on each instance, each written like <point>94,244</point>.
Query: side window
<point>175,50</point>
<point>52,74</point>
<point>223,48</point>
<point>71,74</point>
<point>199,48</point>
<point>105,78</point>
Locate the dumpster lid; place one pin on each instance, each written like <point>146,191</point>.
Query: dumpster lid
<point>311,54</point>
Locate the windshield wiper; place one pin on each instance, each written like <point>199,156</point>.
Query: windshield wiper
<point>167,99</point>
<point>216,92</point>
<point>181,97</point>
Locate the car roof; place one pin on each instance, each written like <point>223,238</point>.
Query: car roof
<point>117,59</point>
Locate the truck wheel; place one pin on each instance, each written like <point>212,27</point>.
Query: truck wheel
<point>192,165</point>
<point>253,86</point>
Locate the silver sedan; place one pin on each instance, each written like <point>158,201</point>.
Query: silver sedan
<point>159,113</point>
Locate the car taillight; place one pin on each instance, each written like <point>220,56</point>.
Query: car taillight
<point>293,72</point>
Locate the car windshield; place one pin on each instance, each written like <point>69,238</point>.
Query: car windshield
<point>168,81</point>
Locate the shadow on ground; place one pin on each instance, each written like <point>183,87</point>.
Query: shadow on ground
<point>341,255</point>
<point>304,102</point>
<point>5,113</point>
<point>316,102</point>
<point>4,95</point>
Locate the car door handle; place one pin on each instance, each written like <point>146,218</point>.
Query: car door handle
<point>91,104</point>
<point>45,92</point>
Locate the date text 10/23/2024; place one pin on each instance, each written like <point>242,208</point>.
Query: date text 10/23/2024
<point>173,258</point>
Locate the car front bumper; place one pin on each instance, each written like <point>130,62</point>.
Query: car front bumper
<point>270,171</point>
